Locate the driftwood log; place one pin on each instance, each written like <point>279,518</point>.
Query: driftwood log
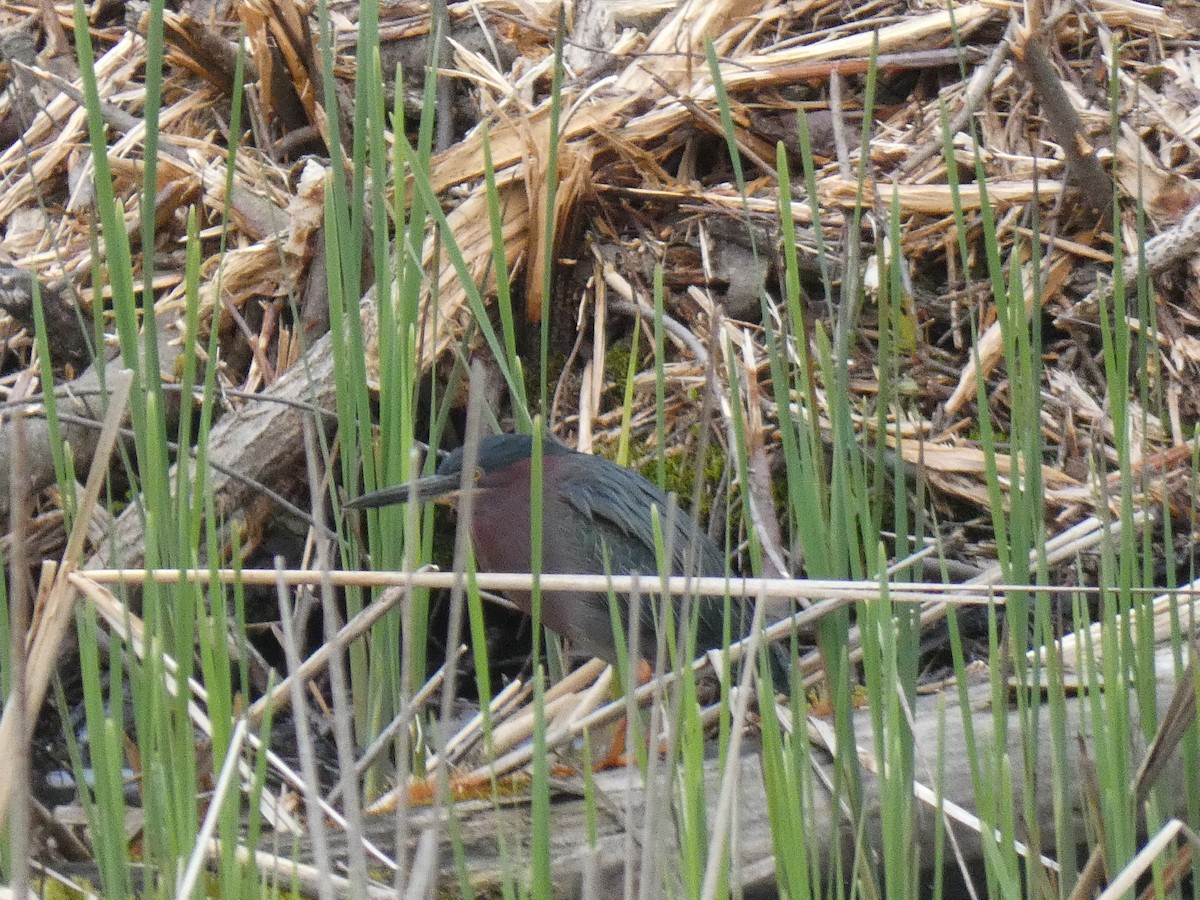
<point>497,838</point>
<point>80,402</point>
<point>258,444</point>
<point>261,444</point>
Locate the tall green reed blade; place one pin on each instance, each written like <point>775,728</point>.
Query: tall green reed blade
<point>1118,567</point>
<point>424,190</point>
<point>788,786</point>
<point>889,700</point>
<point>891,633</point>
<point>153,103</point>
<point>391,545</point>
<point>105,802</point>
<point>117,254</point>
<point>996,803</point>
<point>504,300</point>
<point>536,536</point>
<point>548,235</point>
<point>354,431</point>
<point>982,785</point>
<point>64,468</point>
<point>807,504</point>
<point>214,634</point>
<point>660,379</point>
<point>389,461</point>
<point>190,477</point>
<point>398,537</point>
<point>786,761</point>
<point>145,403</point>
<point>1146,376</point>
<point>246,881</point>
<point>691,796</point>
<point>345,221</point>
<point>348,206</point>
<point>6,664</point>
<point>541,885</point>
<point>1033,624</point>
<point>346,211</point>
<point>540,851</point>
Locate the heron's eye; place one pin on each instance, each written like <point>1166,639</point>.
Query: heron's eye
<point>478,474</point>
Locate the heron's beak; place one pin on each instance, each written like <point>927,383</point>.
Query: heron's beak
<point>431,487</point>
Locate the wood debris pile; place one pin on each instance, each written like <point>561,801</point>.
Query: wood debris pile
<point>645,180</point>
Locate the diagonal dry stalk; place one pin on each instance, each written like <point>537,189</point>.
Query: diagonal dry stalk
<point>53,616</point>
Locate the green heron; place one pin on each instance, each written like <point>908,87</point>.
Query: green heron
<point>597,519</point>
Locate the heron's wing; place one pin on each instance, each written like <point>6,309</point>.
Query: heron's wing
<point>617,503</point>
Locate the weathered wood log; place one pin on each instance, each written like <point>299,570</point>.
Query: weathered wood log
<point>496,839</point>
<point>80,403</point>
<point>262,443</point>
